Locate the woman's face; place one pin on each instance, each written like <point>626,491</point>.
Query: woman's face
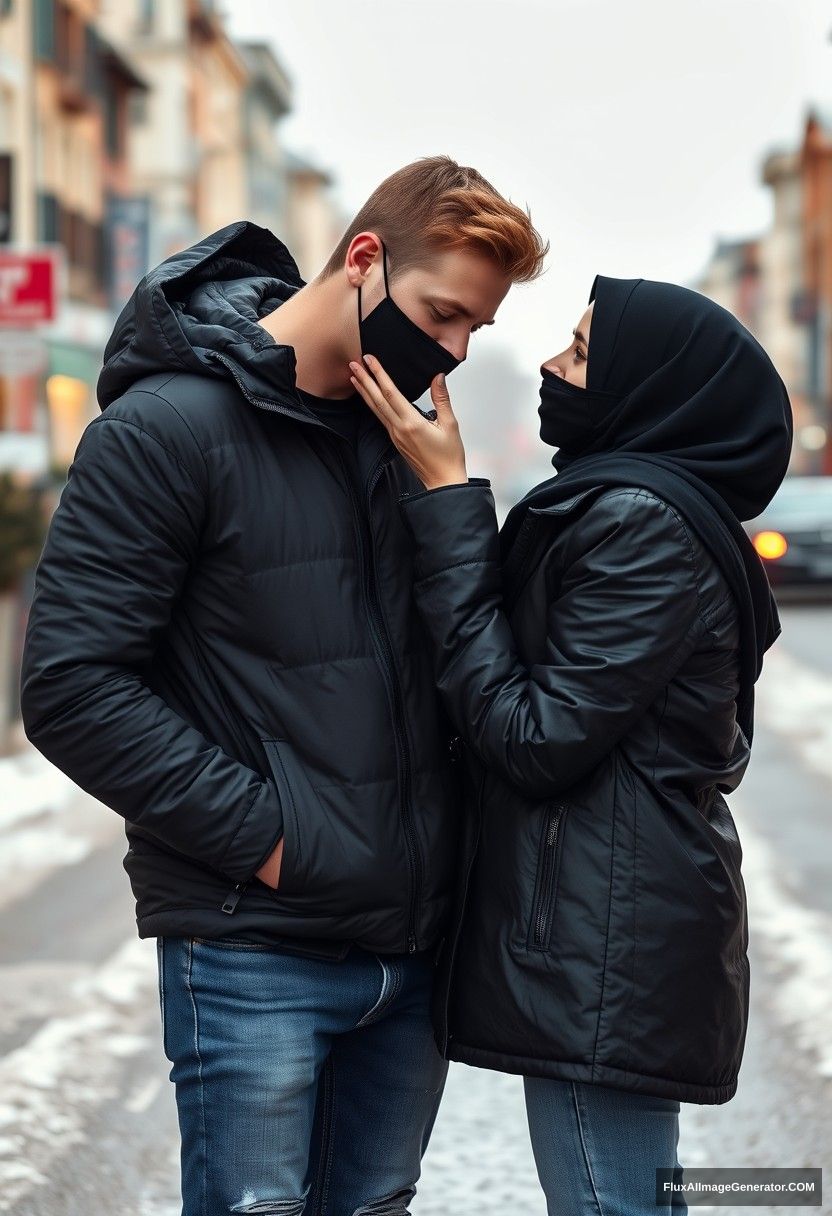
<point>570,364</point>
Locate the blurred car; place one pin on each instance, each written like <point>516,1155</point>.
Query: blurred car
<point>793,535</point>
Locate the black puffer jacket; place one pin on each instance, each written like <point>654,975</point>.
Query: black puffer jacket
<point>223,644</point>
<point>604,932</point>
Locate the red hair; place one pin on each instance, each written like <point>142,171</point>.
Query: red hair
<point>435,204</point>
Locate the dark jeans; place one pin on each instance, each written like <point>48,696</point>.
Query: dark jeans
<point>597,1148</point>
<point>302,1086</point>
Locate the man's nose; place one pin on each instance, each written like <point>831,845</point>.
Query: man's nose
<point>458,346</point>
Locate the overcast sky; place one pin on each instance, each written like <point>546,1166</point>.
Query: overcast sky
<point>633,130</point>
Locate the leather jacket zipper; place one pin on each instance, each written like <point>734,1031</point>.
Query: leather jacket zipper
<point>544,904</point>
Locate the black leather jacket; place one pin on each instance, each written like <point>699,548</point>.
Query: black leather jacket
<point>601,931</point>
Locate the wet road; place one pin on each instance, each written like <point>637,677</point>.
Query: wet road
<point>87,1113</point>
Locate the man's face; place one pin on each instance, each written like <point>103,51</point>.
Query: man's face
<point>452,297</point>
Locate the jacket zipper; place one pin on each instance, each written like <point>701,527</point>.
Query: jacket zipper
<point>234,897</point>
<point>518,561</point>
<point>542,915</point>
<point>385,649</point>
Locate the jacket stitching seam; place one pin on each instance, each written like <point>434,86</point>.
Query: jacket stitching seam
<point>150,435</point>
<point>294,809</point>
<point>479,561</point>
<point>479,484</point>
<point>183,420</point>
<point>241,825</point>
<point>160,323</point>
<point>609,920</point>
<point>659,731</point>
<point>702,1087</point>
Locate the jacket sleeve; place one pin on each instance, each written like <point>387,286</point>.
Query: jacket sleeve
<point>624,617</point>
<point>118,551</point>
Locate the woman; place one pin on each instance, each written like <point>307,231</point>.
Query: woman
<point>598,658</point>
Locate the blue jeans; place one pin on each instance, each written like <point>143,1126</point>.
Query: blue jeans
<point>302,1086</point>
<point>597,1149</point>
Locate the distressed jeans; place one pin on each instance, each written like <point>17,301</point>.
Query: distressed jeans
<point>597,1148</point>
<point>304,1087</point>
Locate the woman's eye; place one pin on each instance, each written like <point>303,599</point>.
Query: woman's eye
<point>440,316</point>
<point>579,355</point>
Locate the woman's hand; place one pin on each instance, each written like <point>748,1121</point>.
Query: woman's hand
<point>433,449</point>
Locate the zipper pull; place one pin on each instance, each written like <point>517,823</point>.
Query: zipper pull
<point>234,897</point>
<point>411,944</point>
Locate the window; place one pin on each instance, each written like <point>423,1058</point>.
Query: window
<point>137,107</point>
<point>112,121</point>
<point>43,25</point>
<point>48,219</point>
<point>147,16</point>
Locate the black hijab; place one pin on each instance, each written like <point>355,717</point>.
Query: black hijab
<point>702,420</point>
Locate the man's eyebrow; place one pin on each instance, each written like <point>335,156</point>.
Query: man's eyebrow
<point>460,308</point>
<point>580,336</point>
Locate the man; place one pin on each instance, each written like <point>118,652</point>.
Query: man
<point>222,648</point>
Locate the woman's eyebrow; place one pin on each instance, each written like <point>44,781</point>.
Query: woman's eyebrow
<point>577,333</point>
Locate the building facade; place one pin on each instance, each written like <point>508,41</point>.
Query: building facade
<point>780,285</point>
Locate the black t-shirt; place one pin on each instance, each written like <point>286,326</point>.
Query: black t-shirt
<point>343,415</point>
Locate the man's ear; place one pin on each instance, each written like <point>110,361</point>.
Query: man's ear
<point>363,252</point>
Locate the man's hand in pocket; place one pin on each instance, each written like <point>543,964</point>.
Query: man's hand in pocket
<point>269,872</point>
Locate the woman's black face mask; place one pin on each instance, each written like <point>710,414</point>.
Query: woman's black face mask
<point>410,357</point>
<point>571,417</point>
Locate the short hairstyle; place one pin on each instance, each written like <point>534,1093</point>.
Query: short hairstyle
<point>434,205</point>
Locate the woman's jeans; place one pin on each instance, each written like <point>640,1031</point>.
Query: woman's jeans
<point>597,1149</point>
<point>302,1085</point>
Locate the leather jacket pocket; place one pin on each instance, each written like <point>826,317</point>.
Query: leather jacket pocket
<point>545,888</point>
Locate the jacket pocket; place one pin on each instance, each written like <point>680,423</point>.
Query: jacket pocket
<point>545,888</point>
<point>291,787</point>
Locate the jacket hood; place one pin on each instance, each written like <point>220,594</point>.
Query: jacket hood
<point>204,303</point>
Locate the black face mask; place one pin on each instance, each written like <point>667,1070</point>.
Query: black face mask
<point>571,417</point>
<point>410,357</point>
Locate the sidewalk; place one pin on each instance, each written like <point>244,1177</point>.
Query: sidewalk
<point>479,1158</point>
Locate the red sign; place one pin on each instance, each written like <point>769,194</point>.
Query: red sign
<point>28,287</point>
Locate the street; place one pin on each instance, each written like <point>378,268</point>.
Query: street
<point>87,1113</point>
